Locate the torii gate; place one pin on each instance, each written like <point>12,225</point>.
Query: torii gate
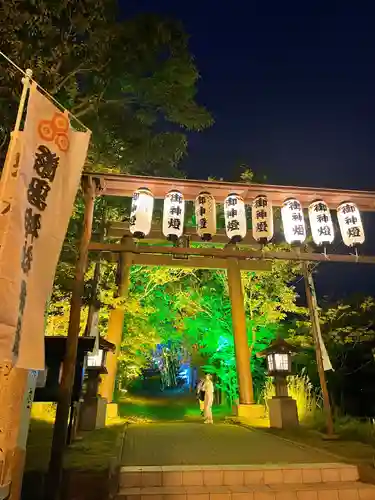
<point>247,256</point>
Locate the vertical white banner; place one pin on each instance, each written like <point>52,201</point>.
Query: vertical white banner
<point>51,163</point>
<point>327,365</point>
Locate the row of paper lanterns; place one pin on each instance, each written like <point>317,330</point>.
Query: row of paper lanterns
<point>293,220</point>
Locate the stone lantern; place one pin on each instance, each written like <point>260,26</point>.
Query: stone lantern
<point>93,407</point>
<point>282,408</point>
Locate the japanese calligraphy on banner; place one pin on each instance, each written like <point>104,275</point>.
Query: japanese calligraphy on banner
<point>235,217</point>
<point>9,180</point>
<point>350,223</point>
<point>205,214</point>
<point>173,215</point>
<point>321,223</point>
<point>262,219</point>
<point>293,221</point>
<point>49,173</point>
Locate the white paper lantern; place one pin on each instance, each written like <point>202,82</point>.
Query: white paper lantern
<point>321,223</point>
<point>293,221</point>
<point>141,213</point>
<point>235,217</point>
<point>262,219</point>
<point>173,215</point>
<point>205,214</point>
<point>350,223</point>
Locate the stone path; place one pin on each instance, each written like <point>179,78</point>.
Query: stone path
<point>193,443</point>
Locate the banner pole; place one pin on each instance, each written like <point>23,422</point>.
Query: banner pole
<point>314,317</point>
<point>59,440</point>
<point>26,85</point>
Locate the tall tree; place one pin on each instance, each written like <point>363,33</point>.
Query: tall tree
<point>348,331</point>
<point>133,82</point>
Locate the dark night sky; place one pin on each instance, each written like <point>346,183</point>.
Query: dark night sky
<point>292,88</point>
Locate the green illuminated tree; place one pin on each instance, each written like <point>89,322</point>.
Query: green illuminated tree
<point>268,299</point>
<point>191,311</point>
<point>133,82</point>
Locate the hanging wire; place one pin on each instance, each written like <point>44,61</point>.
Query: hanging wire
<point>45,91</point>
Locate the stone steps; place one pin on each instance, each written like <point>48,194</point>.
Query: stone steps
<point>331,481</point>
<point>292,491</point>
<point>236,475</point>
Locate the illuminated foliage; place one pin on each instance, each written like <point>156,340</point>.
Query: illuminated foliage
<point>268,299</point>
<point>190,311</point>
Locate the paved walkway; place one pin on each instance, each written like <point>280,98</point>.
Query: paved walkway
<point>193,443</point>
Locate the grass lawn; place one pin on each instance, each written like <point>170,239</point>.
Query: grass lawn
<point>351,450</point>
<point>93,451</point>
<point>343,446</point>
<point>164,407</point>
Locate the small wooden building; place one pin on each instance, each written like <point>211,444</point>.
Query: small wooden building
<point>48,382</point>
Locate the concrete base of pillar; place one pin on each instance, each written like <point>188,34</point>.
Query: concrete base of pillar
<point>283,413</point>
<point>92,414</point>
<point>112,410</point>
<point>251,412</point>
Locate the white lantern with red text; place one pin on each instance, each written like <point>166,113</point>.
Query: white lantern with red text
<point>321,223</point>
<point>205,214</point>
<point>350,223</point>
<point>262,219</point>
<point>235,217</point>
<point>293,221</point>
<point>141,213</point>
<point>173,215</point>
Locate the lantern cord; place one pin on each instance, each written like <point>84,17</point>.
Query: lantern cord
<point>356,254</point>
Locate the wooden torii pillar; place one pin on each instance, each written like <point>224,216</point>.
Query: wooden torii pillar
<point>246,407</point>
<point>245,380</point>
<point>115,328</point>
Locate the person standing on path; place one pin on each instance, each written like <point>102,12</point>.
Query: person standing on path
<point>208,398</point>
<point>200,395</point>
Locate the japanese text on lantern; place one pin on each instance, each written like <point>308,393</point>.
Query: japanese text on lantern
<point>231,209</point>
<point>173,215</point>
<point>44,171</point>
<point>141,211</point>
<point>235,217</point>
<point>262,219</point>
<point>321,223</point>
<point>293,221</point>
<point>205,214</point>
<point>201,212</point>
<point>175,211</point>
<point>133,209</point>
<point>350,223</point>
